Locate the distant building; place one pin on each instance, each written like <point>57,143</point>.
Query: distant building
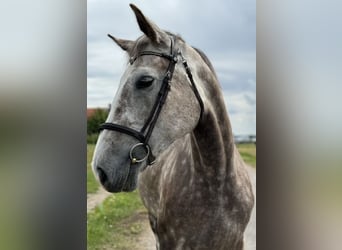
<point>91,111</point>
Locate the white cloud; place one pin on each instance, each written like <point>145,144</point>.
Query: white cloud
<point>100,91</point>
<point>243,124</point>
<point>242,62</point>
<point>241,111</point>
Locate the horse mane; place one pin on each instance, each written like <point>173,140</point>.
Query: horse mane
<point>200,52</point>
<point>206,60</point>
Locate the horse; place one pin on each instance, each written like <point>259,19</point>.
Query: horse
<point>169,136</point>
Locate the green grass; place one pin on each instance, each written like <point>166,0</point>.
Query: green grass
<point>92,184</point>
<point>248,153</point>
<point>114,223</point>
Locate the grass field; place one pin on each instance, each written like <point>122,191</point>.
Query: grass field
<point>92,184</point>
<point>114,223</point>
<point>248,153</point>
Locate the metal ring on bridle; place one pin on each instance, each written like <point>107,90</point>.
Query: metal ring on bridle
<point>134,159</point>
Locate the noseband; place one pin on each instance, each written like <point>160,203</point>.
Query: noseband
<point>144,134</point>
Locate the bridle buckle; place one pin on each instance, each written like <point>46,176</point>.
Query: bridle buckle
<point>132,155</point>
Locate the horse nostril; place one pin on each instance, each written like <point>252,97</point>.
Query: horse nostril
<point>102,175</point>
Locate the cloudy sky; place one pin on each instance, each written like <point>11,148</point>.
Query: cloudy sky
<point>224,29</point>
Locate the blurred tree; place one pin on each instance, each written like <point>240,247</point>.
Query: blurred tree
<point>94,121</point>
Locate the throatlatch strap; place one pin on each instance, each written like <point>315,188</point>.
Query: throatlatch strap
<point>193,86</point>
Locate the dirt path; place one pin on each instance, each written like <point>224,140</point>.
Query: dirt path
<point>95,199</point>
<point>145,240</point>
<point>250,233</point>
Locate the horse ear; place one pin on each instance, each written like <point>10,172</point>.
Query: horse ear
<point>151,30</point>
<point>126,45</point>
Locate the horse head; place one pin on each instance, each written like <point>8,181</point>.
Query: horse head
<point>143,120</point>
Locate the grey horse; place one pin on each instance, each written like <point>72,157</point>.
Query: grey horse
<point>190,176</point>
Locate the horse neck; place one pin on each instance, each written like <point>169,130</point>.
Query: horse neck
<point>213,142</point>
<point>212,139</point>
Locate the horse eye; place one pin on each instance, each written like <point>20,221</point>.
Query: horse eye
<point>144,82</point>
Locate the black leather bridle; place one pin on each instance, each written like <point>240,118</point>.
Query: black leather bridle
<point>144,134</point>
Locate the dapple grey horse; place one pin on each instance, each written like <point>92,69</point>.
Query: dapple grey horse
<point>176,148</point>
